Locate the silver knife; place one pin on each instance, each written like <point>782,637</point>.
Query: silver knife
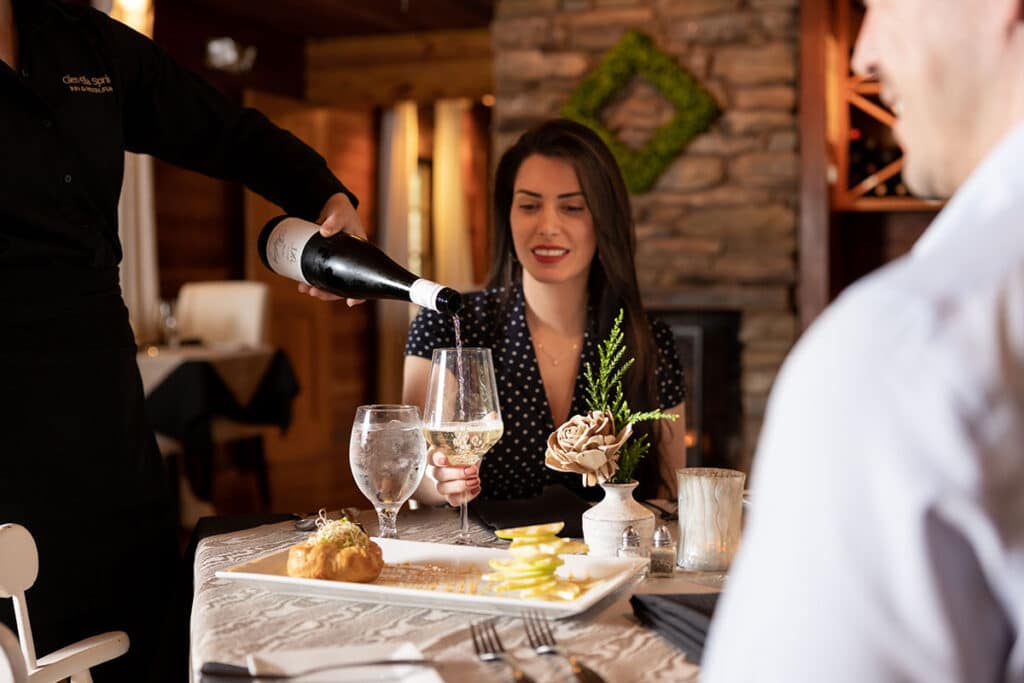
<point>212,671</point>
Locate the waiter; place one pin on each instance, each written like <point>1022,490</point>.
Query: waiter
<point>78,466</point>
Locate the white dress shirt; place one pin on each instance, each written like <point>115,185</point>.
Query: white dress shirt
<point>886,536</point>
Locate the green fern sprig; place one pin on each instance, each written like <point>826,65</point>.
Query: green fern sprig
<point>658,414</point>
<point>629,457</point>
<point>604,391</point>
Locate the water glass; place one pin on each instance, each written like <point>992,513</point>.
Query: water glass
<point>388,457</point>
<point>710,517</point>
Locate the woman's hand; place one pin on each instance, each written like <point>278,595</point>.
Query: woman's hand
<point>338,215</point>
<point>456,485</point>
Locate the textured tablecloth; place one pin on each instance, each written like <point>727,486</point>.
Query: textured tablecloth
<point>230,620</point>
<point>239,367</point>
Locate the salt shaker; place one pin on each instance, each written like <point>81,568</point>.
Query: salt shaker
<point>663,553</point>
<point>629,546</point>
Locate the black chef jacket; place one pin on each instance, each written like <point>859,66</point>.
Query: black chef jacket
<point>87,89</point>
<point>78,466</point>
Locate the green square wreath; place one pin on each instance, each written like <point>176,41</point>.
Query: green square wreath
<point>635,55</point>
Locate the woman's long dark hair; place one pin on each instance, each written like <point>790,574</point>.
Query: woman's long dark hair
<point>613,283</point>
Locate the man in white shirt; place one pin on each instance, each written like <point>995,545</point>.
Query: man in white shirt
<point>886,541</point>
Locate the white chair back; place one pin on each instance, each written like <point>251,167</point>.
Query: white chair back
<point>19,567</point>
<point>12,663</point>
<point>19,560</point>
<point>225,312</point>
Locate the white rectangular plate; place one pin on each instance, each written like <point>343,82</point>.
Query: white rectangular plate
<point>442,576</point>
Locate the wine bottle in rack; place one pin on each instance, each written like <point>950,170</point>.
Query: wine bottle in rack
<point>346,266</point>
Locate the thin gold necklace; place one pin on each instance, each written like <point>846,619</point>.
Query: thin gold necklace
<point>555,360</point>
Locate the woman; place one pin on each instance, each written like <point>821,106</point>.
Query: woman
<point>562,268</point>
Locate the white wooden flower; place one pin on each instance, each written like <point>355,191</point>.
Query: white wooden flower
<point>588,445</point>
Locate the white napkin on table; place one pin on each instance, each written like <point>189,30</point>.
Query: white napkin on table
<point>293,661</point>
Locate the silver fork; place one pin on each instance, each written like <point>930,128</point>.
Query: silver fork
<point>489,648</point>
<point>542,640</point>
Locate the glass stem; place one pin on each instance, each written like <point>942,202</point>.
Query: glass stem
<point>463,538</point>
<point>387,522</point>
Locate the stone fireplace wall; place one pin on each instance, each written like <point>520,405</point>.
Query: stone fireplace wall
<point>718,230</point>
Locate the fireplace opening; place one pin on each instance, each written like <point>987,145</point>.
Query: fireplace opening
<point>709,350</point>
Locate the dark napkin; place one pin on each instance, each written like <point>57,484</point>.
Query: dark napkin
<point>681,619</point>
<point>555,504</point>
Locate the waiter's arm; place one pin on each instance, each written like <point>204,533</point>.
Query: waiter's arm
<point>172,114</point>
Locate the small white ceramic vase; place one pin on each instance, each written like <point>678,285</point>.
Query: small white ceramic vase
<point>604,523</point>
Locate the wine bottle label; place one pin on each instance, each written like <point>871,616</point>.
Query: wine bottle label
<point>284,247</point>
<point>423,292</point>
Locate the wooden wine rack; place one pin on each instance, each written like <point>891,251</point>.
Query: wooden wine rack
<point>844,92</point>
<point>846,229</point>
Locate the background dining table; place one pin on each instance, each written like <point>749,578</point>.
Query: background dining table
<point>189,386</point>
<point>231,620</point>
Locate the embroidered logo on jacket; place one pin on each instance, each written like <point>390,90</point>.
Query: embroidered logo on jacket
<point>90,84</point>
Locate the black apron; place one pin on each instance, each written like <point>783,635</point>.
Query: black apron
<point>81,471</point>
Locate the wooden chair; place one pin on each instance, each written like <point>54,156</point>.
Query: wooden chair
<point>19,567</point>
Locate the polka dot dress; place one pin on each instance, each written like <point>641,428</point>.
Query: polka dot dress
<point>515,468</point>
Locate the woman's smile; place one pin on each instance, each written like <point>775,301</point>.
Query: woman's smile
<point>549,255</point>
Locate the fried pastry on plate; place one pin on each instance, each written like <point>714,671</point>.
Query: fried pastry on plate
<point>338,551</point>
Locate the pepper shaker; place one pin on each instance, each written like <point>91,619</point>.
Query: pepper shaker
<point>663,553</point>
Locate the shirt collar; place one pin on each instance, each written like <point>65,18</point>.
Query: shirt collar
<point>990,190</point>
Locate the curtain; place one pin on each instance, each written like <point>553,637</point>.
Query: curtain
<point>399,151</point>
<point>453,257</point>
<point>136,212</point>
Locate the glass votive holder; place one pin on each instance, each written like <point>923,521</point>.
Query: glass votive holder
<point>710,517</point>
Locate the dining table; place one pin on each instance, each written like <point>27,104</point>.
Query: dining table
<point>189,386</point>
<point>231,620</point>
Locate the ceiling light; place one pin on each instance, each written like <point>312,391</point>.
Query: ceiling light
<point>225,54</point>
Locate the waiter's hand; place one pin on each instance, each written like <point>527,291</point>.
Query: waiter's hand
<point>338,215</point>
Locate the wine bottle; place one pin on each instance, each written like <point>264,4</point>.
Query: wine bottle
<point>345,265</point>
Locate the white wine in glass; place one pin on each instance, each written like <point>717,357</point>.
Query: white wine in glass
<point>462,417</point>
<point>464,444</point>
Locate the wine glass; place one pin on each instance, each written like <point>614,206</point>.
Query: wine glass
<point>461,416</point>
<point>168,324</point>
<point>388,457</point>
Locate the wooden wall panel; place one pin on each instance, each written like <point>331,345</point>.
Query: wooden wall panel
<point>814,233</point>
<point>199,233</point>
<point>351,152</point>
<point>382,70</point>
<point>866,241</point>
<point>200,219</point>
<point>330,344</point>
<point>476,167</point>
